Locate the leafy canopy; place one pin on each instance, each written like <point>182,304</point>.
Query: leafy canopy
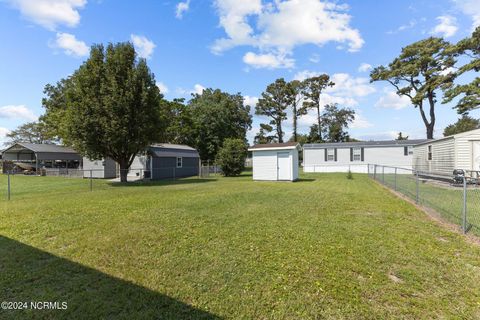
<point>231,157</point>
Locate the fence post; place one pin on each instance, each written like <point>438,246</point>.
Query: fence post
<point>383,175</point>
<point>91,181</point>
<point>375,172</point>
<point>368,170</point>
<point>418,186</point>
<point>395,179</point>
<point>174,173</point>
<point>8,192</point>
<point>464,211</point>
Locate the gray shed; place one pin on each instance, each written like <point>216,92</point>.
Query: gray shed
<point>170,161</point>
<point>42,155</point>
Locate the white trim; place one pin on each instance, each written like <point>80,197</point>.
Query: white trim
<point>181,162</point>
<point>273,148</point>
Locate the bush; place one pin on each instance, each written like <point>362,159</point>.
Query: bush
<point>231,157</point>
<point>349,175</point>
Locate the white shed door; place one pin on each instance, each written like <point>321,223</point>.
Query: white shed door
<point>283,166</point>
<point>476,156</point>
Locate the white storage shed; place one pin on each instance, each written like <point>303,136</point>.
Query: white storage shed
<point>275,161</point>
<point>442,156</point>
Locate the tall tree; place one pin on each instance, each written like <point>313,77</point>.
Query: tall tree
<point>401,137</point>
<point>336,120</point>
<point>298,110</point>
<point>465,123</point>
<point>180,128</point>
<point>313,135</point>
<point>216,116</point>
<point>109,107</point>
<point>470,92</point>
<point>263,136</point>
<point>418,73</point>
<point>274,102</point>
<point>312,90</point>
<point>31,132</point>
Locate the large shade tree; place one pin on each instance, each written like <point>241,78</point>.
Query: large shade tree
<point>312,90</point>
<point>109,107</point>
<point>336,121</point>
<point>469,93</point>
<point>418,73</point>
<point>275,100</point>
<point>215,116</point>
<point>31,132</point>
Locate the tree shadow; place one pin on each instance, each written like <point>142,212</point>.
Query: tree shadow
<point>164,182</point>
<point>305,180</point>
<point>29,274</point>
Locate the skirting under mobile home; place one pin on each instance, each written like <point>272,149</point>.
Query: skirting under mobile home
<point>442,156</point>
<point>355,156</point>
<point>275,161</point>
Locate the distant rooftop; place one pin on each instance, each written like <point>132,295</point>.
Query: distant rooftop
<point>172,146</point>
<point>274,145</point>
<point>384,143</point>
<point>37,147</point>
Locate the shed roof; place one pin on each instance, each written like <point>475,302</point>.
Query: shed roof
<point>384,143</point>
<point>164,150</point>
<point>274,146</point>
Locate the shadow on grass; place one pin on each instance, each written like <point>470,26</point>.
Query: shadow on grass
<point>29,274</point>
<point>305,180</point>
<point>165,182</point>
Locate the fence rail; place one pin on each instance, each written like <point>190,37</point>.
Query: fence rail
<point>455,198</point>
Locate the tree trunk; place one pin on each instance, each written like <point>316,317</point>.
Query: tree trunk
<point>295,124</point>
<point>123,170</point>
<point>430,127</point>
<point>279,132</point>
<point>319,123</point>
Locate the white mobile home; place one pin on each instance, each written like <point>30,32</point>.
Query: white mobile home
<point>355,156</point>
<point>100,169</point>
<point>275,161</point>
<point>442,156</point>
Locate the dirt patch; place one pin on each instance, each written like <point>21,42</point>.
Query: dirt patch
<point>394,278</point>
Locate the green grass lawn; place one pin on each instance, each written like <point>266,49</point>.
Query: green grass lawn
<point>324,247</point>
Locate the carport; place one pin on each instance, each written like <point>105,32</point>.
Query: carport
<point>42,155</point>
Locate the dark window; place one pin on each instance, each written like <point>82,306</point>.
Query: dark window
<point>179,162</point>
<point>429,152</point>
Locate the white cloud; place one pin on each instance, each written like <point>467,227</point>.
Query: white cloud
<point>181,8</point>
<point>143,46</point>
<point>391,100</point>
<point>250,101</point>
<point>282,25</point>
<point>268,60</point>
<point>364,67</point>
<point>345,91</point>
<point>70,45</point>
<point>198,89</point>
<point>409,25</point>
<point>447,26</point>
<point>360,122</point>
<point>162,87</point>
<point>17,112</point>
<point>315,58</point>
<point>470,8</point>
<point>50,13</point>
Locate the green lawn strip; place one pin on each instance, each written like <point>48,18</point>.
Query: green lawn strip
<point>231,247</point>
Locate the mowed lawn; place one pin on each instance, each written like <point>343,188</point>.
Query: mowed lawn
<point>323,247</point>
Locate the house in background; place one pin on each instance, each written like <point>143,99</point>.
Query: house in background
<point>442,156</point>
<point>355,156</point>
<point>275,161</point>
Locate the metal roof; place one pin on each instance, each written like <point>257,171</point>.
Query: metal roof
<point>173,150</point>
<point>274,145</point>
<point>42,148</point>
<point>385,143</point>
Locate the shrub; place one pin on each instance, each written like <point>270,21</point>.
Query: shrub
<point>231,157</point>
<point>349,175</point>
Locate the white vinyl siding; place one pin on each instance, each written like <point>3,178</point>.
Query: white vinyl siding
<point>442,157</point>
<point>265,164</point>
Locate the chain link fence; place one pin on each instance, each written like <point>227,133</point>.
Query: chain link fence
<point>56,182</point>
<point>455,197</point>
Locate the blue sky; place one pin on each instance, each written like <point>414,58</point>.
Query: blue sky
<point>237,46</point>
